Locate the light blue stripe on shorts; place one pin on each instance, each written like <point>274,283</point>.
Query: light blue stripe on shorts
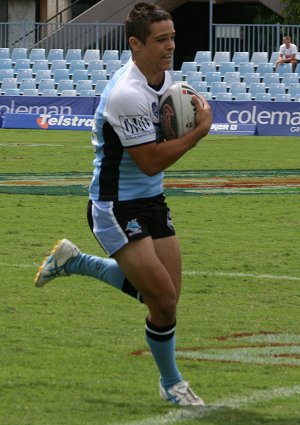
<point>106,229</point>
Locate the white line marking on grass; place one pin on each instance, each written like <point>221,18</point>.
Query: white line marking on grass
<point>236,274</point>
<point>191,273</point>
<point>182,414</point>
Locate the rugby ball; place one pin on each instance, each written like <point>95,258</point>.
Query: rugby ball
<point>177,110</point>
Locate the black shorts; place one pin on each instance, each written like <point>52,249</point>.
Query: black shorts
<point>114,224</point>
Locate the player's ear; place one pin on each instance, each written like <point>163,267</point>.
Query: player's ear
<point>134,43</point>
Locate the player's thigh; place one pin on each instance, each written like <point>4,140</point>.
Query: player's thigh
<point>142,266</point>
<point>168,251</point>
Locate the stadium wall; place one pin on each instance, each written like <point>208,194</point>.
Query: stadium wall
<point>234,117</point>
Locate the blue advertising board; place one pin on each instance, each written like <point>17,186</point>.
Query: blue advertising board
<point>48,121</point>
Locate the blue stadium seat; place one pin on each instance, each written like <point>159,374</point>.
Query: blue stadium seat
<point>251,77</point>
<point>49,92</point>
<point>46,83</point>
<point>217,87</point>
<point>284,68</point>
<point>19,53</point>
<point>193,76</point>
<point>80,74</point>
<point>58,64</point>
<point>4,53</point>
<point>207,95</point>
<point>255,88</point>
<point>294,90</point>
<point>271,77</point>
<point>259,57</point>
<point>208,67</point>
<point>273,58</point>
<point>86,93</point>
<point>263,68</point>
<point>65,85</point>
<point>94,65</point>
<point>125,56</point>
<point>220,57</point>
<point>60,74</point>
<point>68,93</point>
<point>98,74</point>
<point>231,77</point>
<point>237,87</point>
<point>110,54</point>
<point>263,97</point>
<point>27,83</point>
<point>6,73</point>
<point>91,54</point>
<point>83,85</point>
<point>100,86</point>
<point>245,68</point>
<point>226,67</point>
<point>76,64</point>
<point>5,64</point>
<point>73,55</point>
<point>21,64</point>
<point>202,56</point>
<point>8,83</point>
<point>112,66</point>
<point>30,92</point>
<point>39,64</point>
<point>23,73</point>
<point>283,97</point>
<point>276,88</point>
<point>239,57</point>
<point>188,66</point>
<point>211,77</point>
<point>37,54</point>
<point>199,86</point>
<point>224,96</point>
<point>176,75</point>
<point>41,74</point>
<point>242,96</point>
<point>11,92</point>
<point>290,78</point>
<point>55,54</point>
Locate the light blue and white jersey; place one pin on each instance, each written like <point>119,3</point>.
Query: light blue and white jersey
<point>127,116</point>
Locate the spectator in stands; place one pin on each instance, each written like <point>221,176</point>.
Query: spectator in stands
<point>287,53</point>
<point>127,211</point>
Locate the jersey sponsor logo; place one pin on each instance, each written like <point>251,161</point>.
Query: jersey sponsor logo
<point>155,109</point>
<point>136,126</point>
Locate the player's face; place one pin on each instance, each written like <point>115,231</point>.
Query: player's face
<point>156,53</point>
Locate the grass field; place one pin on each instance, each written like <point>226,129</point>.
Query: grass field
<point>74,352</point>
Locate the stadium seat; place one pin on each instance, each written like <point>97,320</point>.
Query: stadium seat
<point>283,97</point>
<point>4,53</point>
<point>86,93</point>
<point>21,64</point>
<point>217,87</point>
<point>220,57</point>
<point>65,85</point>
<point>259,57</point>
<point>111,66</point>
<point>98,74</point>
<point>110,54</point>
<point>284,68</point>
<point>290,78</point>
<point>8,83</point>
<point>239,57</point>
<point>241,96</point>
<point>73,55</point>
<point>80,74</point>
<point>39,64</point>
<point>76,64</point>
<point>30,92</point>
<point>176,75</point>
<point>49,92</point>
<point>193,76</point>
<point>6,73</point>
<point>271,77</point>
<point>294,90</point>
<point>226,67</point>
<point>60,74</point>
<point>125,56</point>
<point>55,54</point>
<point>42,74</point>
<point>276,88</point>
<point>11,92</point>
<point>223,96</point>
<point>58,64</point>
<point>23,73</point>
<point>207,95</point>
<point>45,83</point>
<point>298,68</point>
<point>263,68</point>
<point>202,56</point>
<point>100,86</point>
<point>91,54</point>
<point>245,68</point>
<point>188,66</point>
<point>231,77</point>
<point>94,65</point>
<point>237,87</point>
<point>255,88</point>
<point>273,58</point>
<point>263,97</point>
<point>83,85</point>
<point>5,64</point>
<point>19,53</point>
<point>199,86</point>
<point>297,98</point>
<point>211,77</point>
<point>208,67</point>
<point>27,83</point>
<point>251,77</point>
<point>37,54</point>
<point>66,93</point>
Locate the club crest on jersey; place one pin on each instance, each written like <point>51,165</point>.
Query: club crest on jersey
<point>155,109</point>
<point>133,227</point>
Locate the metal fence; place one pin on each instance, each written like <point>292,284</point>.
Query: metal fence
<point>251,38</point>
<point>94,35</point>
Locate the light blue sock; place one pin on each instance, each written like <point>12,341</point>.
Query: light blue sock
<point>162,342</point>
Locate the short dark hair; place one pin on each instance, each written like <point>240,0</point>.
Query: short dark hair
<point>141,17</point>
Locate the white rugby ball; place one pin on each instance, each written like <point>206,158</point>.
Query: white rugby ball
<point>177,110</point>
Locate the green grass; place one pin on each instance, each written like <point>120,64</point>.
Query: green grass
<point>66,350</point>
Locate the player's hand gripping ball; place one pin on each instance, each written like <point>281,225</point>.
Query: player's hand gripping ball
<point>177,110</point>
